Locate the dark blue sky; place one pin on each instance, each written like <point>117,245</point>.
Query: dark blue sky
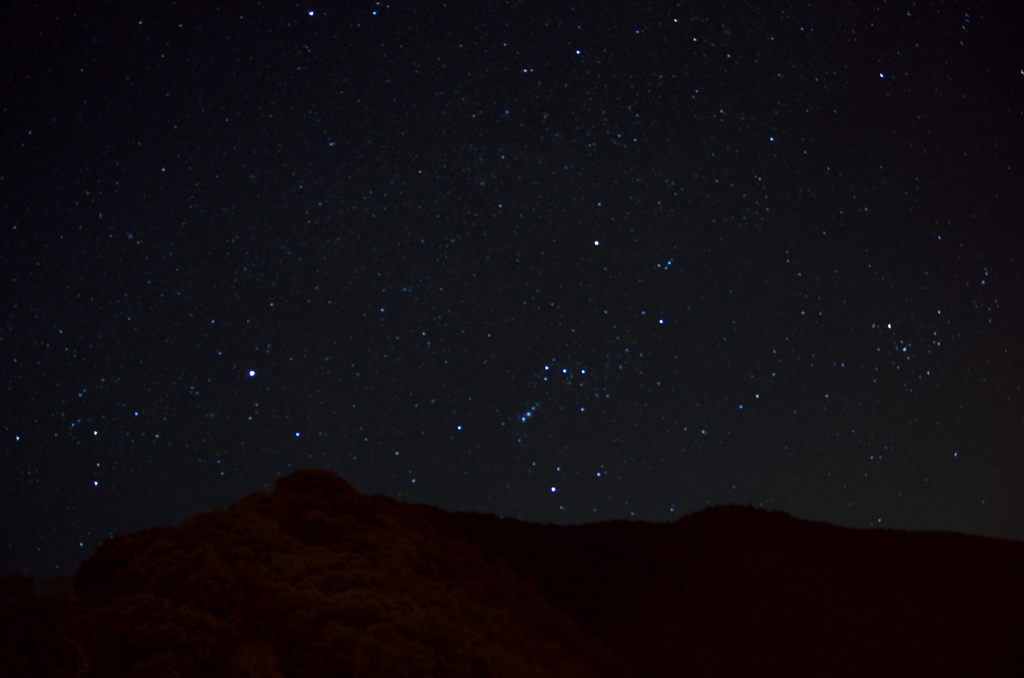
<point>564,263</point>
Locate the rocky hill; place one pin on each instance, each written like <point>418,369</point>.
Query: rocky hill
<point>315,580</point>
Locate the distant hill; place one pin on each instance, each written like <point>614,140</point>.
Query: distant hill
<point>316,580</point>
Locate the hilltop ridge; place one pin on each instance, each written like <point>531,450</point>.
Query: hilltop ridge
<point>315,579</point>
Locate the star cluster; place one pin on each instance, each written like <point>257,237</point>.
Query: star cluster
<point>615,260</point>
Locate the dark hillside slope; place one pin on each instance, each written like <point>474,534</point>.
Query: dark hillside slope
<point>315,580</point>
<point>749,592</point>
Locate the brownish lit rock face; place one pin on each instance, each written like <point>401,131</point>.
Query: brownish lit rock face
<point>315,579</point>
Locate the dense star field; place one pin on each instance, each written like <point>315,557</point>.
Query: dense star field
<point>565,263</point>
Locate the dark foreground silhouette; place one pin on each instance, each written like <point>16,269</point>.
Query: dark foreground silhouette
<point>316,580</point>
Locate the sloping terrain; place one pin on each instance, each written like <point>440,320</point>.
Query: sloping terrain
<point>315,579</point>
<point>312,580</point>
<point>738,591</point>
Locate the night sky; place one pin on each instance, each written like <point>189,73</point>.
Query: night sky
<point>565,262</point>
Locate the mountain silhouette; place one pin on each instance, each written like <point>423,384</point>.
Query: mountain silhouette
<point>315,579</point>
